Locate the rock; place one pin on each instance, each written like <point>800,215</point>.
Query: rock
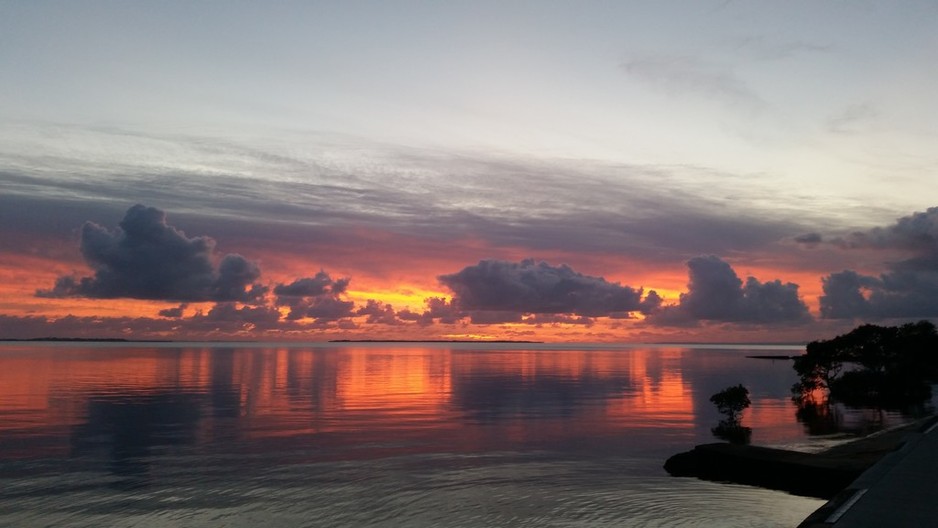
<point>806,474</point>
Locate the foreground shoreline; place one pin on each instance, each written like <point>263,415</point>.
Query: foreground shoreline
<point>821,475</point>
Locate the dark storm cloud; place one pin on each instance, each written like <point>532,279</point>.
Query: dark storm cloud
<point>315,297</point>
<point>538,288</point>
<point>843,294</point>
<point>917,233</point>
<point>716,293</point>
<point>146,258</point>
<point>900,293</point>
<point>909,287</point>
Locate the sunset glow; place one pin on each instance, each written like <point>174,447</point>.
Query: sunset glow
<point>455,263</point>
<point>547,173</point>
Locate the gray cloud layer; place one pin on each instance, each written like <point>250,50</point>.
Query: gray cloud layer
<point>909,288</point>
<point>281,193</point>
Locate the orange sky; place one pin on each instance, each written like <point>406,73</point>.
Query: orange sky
<point>401,271</point>
<point>404,278</point>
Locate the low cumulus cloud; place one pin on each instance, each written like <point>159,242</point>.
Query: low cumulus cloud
<point>909,286</point>
<point>255,316</point>
<point>89,327</point>
<point>146,258</point>
<point>509,289</point>
<point>716,293</point>
<point>379,313</point>
<point>224,320</point>
<point>441,310</point>
<point>317,297</point>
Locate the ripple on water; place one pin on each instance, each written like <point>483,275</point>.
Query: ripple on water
<point>518,490</point>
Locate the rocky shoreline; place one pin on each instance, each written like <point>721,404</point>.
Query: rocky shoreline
<point>820,475</point>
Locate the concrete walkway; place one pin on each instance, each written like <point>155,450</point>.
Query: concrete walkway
<point>899,490</point>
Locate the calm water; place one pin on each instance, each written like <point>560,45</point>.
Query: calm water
<point>384,435</point>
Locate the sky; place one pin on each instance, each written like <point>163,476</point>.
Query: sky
<point>530,170</point>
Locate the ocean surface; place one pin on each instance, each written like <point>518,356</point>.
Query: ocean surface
<point>369,435</point>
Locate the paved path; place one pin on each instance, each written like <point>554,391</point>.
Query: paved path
<point>899,490</point>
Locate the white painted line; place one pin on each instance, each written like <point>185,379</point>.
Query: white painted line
<point>932,428</point>
<point>838,513</point>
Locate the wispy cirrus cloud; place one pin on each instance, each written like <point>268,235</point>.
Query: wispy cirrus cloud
<point>273,194</point>
<point>687,75</point>
<point>853,119</point>
<point>762,47</point>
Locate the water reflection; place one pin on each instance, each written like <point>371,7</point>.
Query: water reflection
<point>369,435</point>
<point>129,404</point>
<point>128,430</point>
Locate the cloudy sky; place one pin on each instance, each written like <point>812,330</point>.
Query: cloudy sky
<point>560,171</point>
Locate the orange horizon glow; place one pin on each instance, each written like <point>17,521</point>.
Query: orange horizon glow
<point>404,279</point>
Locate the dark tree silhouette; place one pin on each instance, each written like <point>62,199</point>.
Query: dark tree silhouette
<point>731,402</point>
<point>883,366</point>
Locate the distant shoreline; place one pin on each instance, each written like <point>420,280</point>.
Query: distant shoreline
<point>86,340</point>
<point>500,341</point>
<point>123,340</point>
<point>430,341</point>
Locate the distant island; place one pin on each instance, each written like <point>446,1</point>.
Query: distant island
<point>501,341</point>
<point>123,340</point>
<point>88,340</point>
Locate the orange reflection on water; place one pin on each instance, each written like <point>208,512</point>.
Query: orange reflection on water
<point>633,387</point>
<point>662,395</point>
<point>442,395</point>
<point>393,379</point>
<point>37,380</point>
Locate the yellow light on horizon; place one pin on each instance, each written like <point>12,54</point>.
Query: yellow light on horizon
<point>400,298</point>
